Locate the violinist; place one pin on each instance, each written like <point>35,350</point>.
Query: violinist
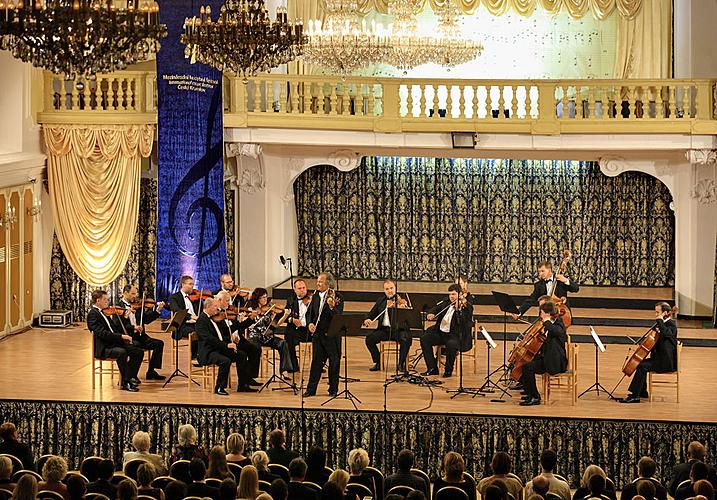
<point>463,282</point>
<point>216,347</point>
<point>109,343</point>
<point>252,351</point>
<point>386,330</point>
<point>549,284</point>
<point>662,358</point>
<point>184,299</point>
<point>296,331</point>
<point>551,357</point>
<point>453,329</point>
<point>237,297</point>
<point>134,321</point>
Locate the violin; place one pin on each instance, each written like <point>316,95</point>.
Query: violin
<point>148,304</point>
<point>197,295</point>
<point>112,310</point>
<point>644,346</point>
<point>307,298</point>
<point>398,301</point>
<point>241,292</point>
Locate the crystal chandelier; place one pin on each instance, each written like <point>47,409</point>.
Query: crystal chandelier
<point>340,44</point>
<point>408,49</point>
<point>79,38</point>
<point>243,40</point>
<point>455,49</point>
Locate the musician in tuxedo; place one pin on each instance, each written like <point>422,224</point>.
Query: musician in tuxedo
<point>109,343</point>
<point>216,347</point>
<point>463,282</point>
<point>297,306</point>
<point>386,330</point>
<point>662,358</point>
<point>551,357</point>
<point>227,285</point>
<point>453,329</point>
<point>180,301</point>
<point>252,351</point>
<point>325,304</point>
<point>549,284</point>
<point>134,322</point>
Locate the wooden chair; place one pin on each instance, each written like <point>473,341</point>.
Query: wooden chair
<point>517,478</point>
<point>378,480</point>
<point>76,473</point>
<point>213,481</point>
<point>570,376</point>
<point>471,353</point>
<point>470,480</point>
<point>400,490</point>
<point>88,468</point>
<point>266,356</point>
<point>424,476</point>
<point>5,494</point>
<point>41,462</point>
<point>145,497</point>
<point>98,365</point>
<point>359,490</point>
<point>206,373</point>
<point>387,348</point>
<point>130,468</point>
<point>49,495</point>
<point>95,496</point>
<point>16,462</point>
<point>264,486</point>
<point>451,493</point>
<point>671,379</point>
<point>180,470</point>
<point>309,346</point>
<point>280,470</point>
<point>23,472</point>
<point>313,486</point>
<point>161,482</point>
<point>118,477</point>
<point>234,469</point>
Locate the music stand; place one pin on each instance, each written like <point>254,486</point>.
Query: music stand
<point>597,386</point>
<point>339,328</point>
<point>489,386</point>
<point>410,318</point>
<point>175,322</point>
<point>507,305</point>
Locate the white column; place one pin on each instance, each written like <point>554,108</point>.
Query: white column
<point>695,38</point>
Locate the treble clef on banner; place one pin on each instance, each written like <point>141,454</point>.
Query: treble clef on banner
<point>184,232</point>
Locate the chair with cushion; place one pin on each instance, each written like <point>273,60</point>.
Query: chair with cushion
<point>180,470</point>
<point>22,472</point>
<point>49,495</point>
<point>41,462</point>
<point>145,497</point>
<point>359,490</point>
<point>118,477</point>
<point>234,469</point>
<point>161,482</point>
<point>88,468</point>
<point>451,493</point>
<point>95,496</point>
<point>424,476</point>
<point>280,470</point>
<point>264,486</point>
<point>470,480</point>
<point>378,480</point>
<point>5,494</point>
<point>213,482</point>
<point>16,462</point>
<point>130,468</point>
<point>669,379</point>
<point>75,473</point>
<point>313,486</point>
<point>552,496</point>
<point>400,490</point>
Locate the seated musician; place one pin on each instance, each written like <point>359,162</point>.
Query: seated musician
<point>180,301</point>
<point>252,351</point>
<point>296,329</point>
<point>134,321</point>
<point>549,284</point>
<point>662,358</point>
<point>111,344</point>
<point>260,327</point>
<point>463,282</point>
<point>453,328</point>
<point>551,357</point>
<point>217,348</point>
<point>386,330</point>
<point>227,284</point>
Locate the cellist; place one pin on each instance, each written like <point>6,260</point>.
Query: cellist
<point>663,356</point>
<point>551,358</point>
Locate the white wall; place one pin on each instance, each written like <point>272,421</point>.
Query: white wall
<point>695,38</point>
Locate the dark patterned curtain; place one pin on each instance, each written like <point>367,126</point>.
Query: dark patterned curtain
<point>714,300</point>
<point>68,291</point>
<point>229,219</point>
<point>494,220</point>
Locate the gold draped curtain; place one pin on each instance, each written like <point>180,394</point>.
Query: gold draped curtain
<point>94,186</point>
<point>644,43</point>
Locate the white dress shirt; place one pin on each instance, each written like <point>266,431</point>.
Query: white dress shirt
<point>190,307</point>
<point>302,312</point>
<point>446,321</point>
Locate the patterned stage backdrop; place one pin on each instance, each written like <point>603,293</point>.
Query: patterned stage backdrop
<point>68,291</point>
<point>191,236</point>
<point>495,220</point>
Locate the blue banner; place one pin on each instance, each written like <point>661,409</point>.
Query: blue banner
<point>190,201</point>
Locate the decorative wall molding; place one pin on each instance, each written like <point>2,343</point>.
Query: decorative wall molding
<point>704,191</point>
<point>701,156</point>
<point>243,149</point>
<point>343,159</point>
<point>612,166</point>
<point>248,173</point>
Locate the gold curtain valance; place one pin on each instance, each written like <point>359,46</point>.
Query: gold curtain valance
<point>94,184</point>
<point>600,9</point>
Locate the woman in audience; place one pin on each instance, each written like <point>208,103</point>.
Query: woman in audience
<point>141,442</point>
<point>53,472</point>
<point>316,466</point>
<point>249,483</point>
<point>235,450</point>
<point>26,488</point>
<point>187,447</point>
<point>145,475</point>
<point>260,460</point>
<point>358,461</point>
<point>218,464</point>
<point>332,490</point>
<point>5,474</point>
<point>228,489</point>
<point>263,496</point>
<point>126,490</point>
<point>341,478</point>
<point>453,468</point>
<point>76,487</point>
<point>584,490</point>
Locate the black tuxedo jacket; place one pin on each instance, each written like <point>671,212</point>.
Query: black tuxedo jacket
<point>380,308</point>
<point>292,303</point>
<point>176,304</point>
<point>466,323</point>
<point>105,335</point>
<point>540,288</point>
<point>327,314</point>
<point>148,317</point>
<point>681,472</point>
<point>664,354</point>
<point>553,350</point>
<point>209,340</point>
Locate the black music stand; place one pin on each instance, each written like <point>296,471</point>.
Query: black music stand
<point>507,305</point>
<point>175,322</point>
<point>460,389</point>
<point>597,386</point>
<point>410,318</point>
<point>339,328</point>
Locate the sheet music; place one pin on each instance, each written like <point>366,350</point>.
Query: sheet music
<point>488,338</point>
<point>597,340</point>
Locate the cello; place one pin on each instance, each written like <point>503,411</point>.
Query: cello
<point>643,347</point>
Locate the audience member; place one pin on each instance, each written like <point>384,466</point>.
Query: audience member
<point>126,490</point>
<point>235,450</point>
<point>535,496</point>
<point>297,473</point>
<point>696,452</point>
<point>494,491</point>
<point>596,485</point>
<point>263,496</point>
<point>103,485</point>
<point>502,466</point>
<point>278,454</point>
<point>53,472</point>
<point>541,485</point>
<point>394,496</point>
<point>260,460</point>
<point>416,495</point>
<point>6,474</point>
<point>584,490</point>
<point>175,490</point>
<point>218,463</point>
<point>12,446</point>
<point>228,489</point>
<point>248,483</point>
<point>646,489</point>
<point>453,468</point>
<point>76,487</point>
<point>548,463</point>
<point>187,447</point>
<point>145,475</point>
<point>341,478</point>
<point>332,491</point>
<point>141,443</point>
<point>279,490</point>
<point>704,488</point>
<point>358,461</point>
<point>646,469</point>
<point>26,488</point>
<point>316,466</point>
<point>699,470</point>
<point>198,488</point>
<point>404,477</point>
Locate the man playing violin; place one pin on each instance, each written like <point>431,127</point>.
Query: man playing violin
<point>181,300</point>
<point>109,343</point>
<point>252,351</point>
<point>237,298</point>
<point>386,330</point>
<point>463,282</point>
<point>662,358</point>
<point>296,331</point>
<point>216,347</point>
<point>551,357</point>
<point>453,329</point>
<point>549,284</point>
<point>134,320</point>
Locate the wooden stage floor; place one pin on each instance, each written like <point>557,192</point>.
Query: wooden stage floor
<point>47,364</point>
